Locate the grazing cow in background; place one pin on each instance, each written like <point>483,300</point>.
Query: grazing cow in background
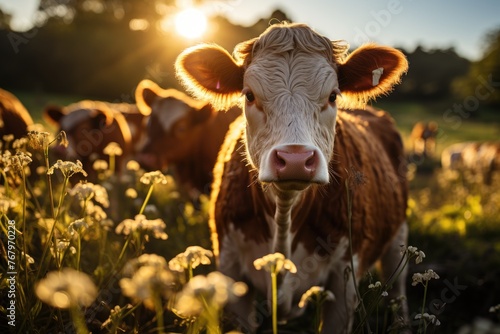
<point>183,134</point>
<point>288,166</point>
<point>480,159</point>
<point>14,118</point>
<point>91,125</point>
<point>423,138</point>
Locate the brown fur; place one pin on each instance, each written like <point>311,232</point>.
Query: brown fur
<point>368,155</point>
<point>190,153</point>
<point>14,118</point>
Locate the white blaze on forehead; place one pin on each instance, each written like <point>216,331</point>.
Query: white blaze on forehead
<point>169,111</point>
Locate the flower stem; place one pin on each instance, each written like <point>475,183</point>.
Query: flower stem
<point>112,163</point>
<point>51,234</point>
<point>150,191</point>
<point>79,250</point>
<point>318,321</point>
<point>422,320</point>
<point>159,314</point>
<point>49,182</point>
<point>274,300</point>
<point>78,320</point>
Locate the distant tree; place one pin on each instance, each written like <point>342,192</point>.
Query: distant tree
<point>483,79</point>
<point>118,9</point>
<point>431,73</point>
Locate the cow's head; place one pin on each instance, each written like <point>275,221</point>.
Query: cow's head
<point>174,126</point>
<point>90,126</point>
<point>291,80</point>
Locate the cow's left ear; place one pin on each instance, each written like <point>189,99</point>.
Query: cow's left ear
<point>53,114</point>
<point>145,94</point>
<point>370,71</point>
<point>210,73</point>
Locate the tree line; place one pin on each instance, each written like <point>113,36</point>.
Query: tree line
<point>95,53</point>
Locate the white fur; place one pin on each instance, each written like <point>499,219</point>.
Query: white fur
<point>290,109</point>
<point>170,111</point>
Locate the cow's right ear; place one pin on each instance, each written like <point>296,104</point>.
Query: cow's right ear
<point>145,94</point>
<point>53,114</point>
<point>210,73</point>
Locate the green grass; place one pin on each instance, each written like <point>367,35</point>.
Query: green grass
<point>483,125</point>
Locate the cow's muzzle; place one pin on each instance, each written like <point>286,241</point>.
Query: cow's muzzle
<point>294,163</point>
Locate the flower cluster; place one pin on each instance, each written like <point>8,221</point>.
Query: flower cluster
<point>317,294</point>
<point>213,290</point>
<point>140,223</point>
<point>66,288</point>
<point>155,177</point>
<point>495,309</point>
<point>86,191</point>
<point>429,318</point>
<point>375,286</point>
<point>190,259</point>
<point>100,165</point>
<point>38,140</point>
<point>413,251</point>
<point>425,277</point>
<point>113,149</point>
<point>67,168</point>
<point>76,226</point>
<point>149,278</point>
<point>274,263</point>
<point>16,162</point>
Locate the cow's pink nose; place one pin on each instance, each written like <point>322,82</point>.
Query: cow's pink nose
<point>295,162</point>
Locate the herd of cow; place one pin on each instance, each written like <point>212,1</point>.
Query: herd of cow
<point>294,172</point>
<point>164,129</point>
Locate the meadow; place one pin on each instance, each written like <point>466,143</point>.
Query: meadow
<point>117,257</point>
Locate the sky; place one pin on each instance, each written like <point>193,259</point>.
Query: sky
<point>461,24</point>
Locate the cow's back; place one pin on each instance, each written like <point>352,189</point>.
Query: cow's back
<point>14,117</point>
<point>368,159</point>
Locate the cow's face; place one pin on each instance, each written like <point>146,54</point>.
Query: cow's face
<point>88,131</point>
<point>174,127</point>
<point>290,113</point>
<point>291,79</point>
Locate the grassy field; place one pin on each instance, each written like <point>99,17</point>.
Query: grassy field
<point>453,219</point>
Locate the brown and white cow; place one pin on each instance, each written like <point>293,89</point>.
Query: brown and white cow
<point>281,180</point>
<point>183,134</point>
<point>14,118</point>
<point>91,125</point>
<point>481,160</point>
<point>423,138</point>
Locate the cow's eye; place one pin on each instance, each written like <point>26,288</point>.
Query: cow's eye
<point>332,97</point>
<point>250,97</point>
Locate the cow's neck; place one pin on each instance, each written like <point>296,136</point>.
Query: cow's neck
<point>283,221</point>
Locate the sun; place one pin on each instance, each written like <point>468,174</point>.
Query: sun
<point>190,23</point>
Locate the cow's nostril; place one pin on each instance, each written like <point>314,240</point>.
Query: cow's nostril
<point>311,162</point>
<point>279,160</point>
